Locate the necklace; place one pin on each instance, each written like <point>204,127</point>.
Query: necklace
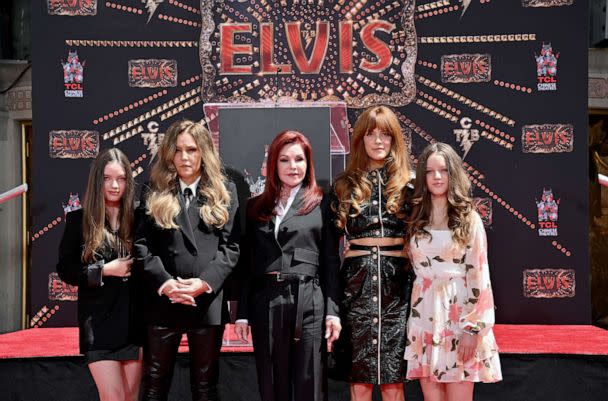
<point>284,195</point>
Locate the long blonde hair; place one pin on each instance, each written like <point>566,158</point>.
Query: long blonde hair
<point>460,204</point>
<point>352,187</point>
<point>163,204</point>
<point>94,207</point>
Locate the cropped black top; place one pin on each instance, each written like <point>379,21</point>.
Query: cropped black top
<point>374,221</point>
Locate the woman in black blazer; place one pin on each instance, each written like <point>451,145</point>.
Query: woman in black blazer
<point>291,276</point>
<point>187,243</point>
<point>94,254</point>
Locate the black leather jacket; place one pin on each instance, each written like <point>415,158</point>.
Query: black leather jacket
<point>374,221</point>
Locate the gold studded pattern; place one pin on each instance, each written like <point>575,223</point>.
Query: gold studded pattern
<point>41,317</point>
<point>493,138</point>
<point>46,228</point>
<point>512,86</point>
<point>431,6</point>
<point>175,20</point>
<point>137,171</point>
<point>354,8</point>
<point>427,64</point>
<point>511,37</point>
<point>509,208</point>
<point>495,130</point>
<point>129,107</point>
<point>438,11</point>
<point>180,108</point>
<point>436,110</point>
<point>439,103</point>
<point>138,160</point>
<point>127,135</point>
<point>123,8</point>
<point>149,114</point>
<point>130,43</point>
<point>176,3</point>
<point>191,80</point>
<point>561,248</point>
<point>466,101</point>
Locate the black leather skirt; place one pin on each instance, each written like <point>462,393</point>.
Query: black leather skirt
<point>374,312</point>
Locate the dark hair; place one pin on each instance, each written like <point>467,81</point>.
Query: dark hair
<point>94,208</point>
<point>460,204</point>
<point>262,208</point>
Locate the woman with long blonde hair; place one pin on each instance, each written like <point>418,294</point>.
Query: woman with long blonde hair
<point>371,205</point>
<point>188,243</point>
<point>95,255</point>
<point>450,344</point>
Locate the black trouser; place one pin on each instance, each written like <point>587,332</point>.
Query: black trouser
<point>288,370</point>
<point>159,360</point>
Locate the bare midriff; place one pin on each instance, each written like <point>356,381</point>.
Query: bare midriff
<point>375,241</point>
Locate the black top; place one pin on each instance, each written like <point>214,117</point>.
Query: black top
<point>194,250</point>
<point>306,244</point>
<point>107,310</point>
<point>374,220</point>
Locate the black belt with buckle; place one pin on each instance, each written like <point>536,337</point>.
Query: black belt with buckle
<point>280,277</point>
<point>301,279</point>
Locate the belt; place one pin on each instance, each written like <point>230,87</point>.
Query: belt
<point>279,277</point>
<point>301,279</point>
<point>357,247</point>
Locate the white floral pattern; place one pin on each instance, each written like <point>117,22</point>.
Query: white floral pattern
<point>451,293</point>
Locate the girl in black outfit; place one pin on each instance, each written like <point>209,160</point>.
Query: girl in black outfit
<point>94,254</point>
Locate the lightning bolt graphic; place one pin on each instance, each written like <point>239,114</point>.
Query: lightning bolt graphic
<point>151,6</point>
<point>466,145</point>
<point>465,5</point>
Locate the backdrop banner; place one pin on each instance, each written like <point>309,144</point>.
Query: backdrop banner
<point>503,82</point>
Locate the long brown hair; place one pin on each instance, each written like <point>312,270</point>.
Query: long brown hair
<point>460,204</point>
<point>352,187</point>
<point>263,206</point>
<point>163,204</point>
<point>94,207</point>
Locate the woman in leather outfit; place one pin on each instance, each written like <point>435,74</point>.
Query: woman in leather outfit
<point>371,204</point>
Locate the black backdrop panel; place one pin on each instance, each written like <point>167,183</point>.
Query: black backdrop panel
<point>246,131</point>
<point>470,66</point>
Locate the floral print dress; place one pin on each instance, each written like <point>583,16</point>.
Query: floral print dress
<point>451,293</point>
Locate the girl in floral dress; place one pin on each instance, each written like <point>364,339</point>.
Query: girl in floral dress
<point>450,343</point>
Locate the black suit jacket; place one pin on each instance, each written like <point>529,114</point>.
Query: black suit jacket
<point>195,250</point>
<point>108,314</point>
<point>304,244</point>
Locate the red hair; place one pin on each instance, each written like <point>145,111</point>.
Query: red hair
<point>262,208</point>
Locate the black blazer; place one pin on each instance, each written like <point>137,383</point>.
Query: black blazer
<point>305,244</point>
<point>108,313</point>
<point>194,250</point>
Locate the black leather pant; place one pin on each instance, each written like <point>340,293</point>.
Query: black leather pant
<point>160,352</point>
